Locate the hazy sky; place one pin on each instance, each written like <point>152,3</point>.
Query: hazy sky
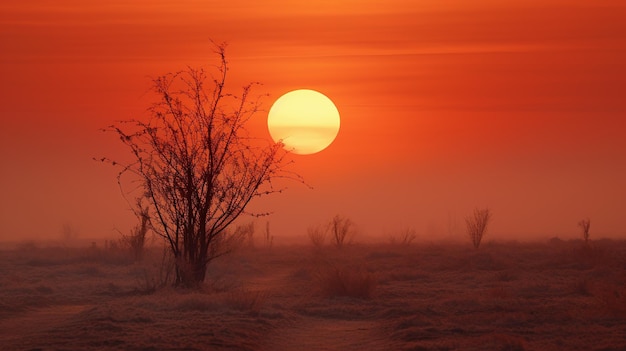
<point>445,105</point>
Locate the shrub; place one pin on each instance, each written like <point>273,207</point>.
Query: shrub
<point>317,235</point>
<point>404,238</point>
<point>245,300</point>
<point>349,282</point>
<point>341,230</point>
<point>477,225</point>
<point>584,225</point>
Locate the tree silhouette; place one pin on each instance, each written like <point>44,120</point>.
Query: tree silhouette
<point>477,225</point>
<point>585,224</point>
<point>197,164</point>
<point>340,228</point>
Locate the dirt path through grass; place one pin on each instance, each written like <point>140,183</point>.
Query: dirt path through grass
<point>317,334</point>
<point>35,322</point>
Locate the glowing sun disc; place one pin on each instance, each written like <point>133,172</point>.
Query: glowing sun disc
<point>305,121</point>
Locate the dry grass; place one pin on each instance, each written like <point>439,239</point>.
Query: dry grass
<point>582,287</point>
<point>246,300</point>
<point>335,281</point>
<point>505,296</point>
<point>611,299</point>
<point>502,342</point>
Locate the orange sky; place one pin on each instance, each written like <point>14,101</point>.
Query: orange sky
<point>445,106</point>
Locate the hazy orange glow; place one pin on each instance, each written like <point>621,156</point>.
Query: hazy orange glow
<point>516,105</point>
<point>305,121</point>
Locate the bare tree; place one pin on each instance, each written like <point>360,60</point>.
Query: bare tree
<point>198,165</point>
<point>477,225</point>
<point>584,225</point>
<point>340,228</point>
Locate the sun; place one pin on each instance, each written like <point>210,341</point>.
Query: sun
<point>305,121</point>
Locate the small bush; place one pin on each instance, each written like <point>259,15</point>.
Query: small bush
<point>404,237</point>
<point>477,225</point>
<point>246,300</point>
<point>349,282</point>
<point>317,235</point>
<point>585,224</point>
<point>341,229</point>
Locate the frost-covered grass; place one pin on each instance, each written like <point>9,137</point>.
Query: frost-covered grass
<point>504,296</point>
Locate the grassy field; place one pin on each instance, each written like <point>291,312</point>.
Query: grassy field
<point>555,295</point>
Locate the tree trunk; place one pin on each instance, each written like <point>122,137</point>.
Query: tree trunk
<point>190,274</point>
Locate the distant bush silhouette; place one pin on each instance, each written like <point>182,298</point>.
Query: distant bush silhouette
<point>477,225</point>
<point>317,234</point>
<point>404,238</point>
<point>344,281</point>
<point>340,229</point>
<point>584,225</point>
